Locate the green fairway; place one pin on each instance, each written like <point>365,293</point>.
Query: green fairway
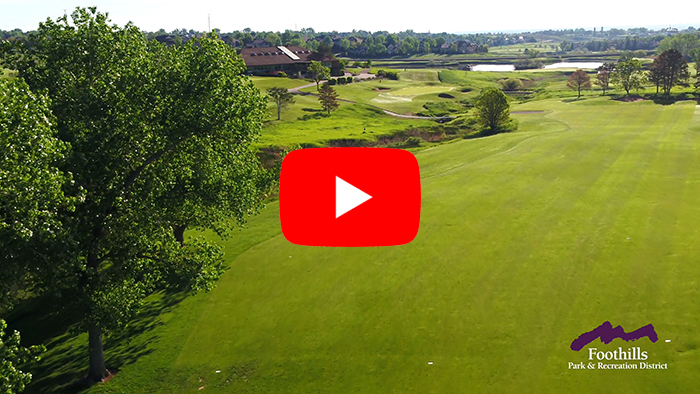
<point>587,214</point>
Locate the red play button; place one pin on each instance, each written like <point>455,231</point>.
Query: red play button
<point>350,197</point>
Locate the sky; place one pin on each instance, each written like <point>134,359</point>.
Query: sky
<point>450,16</point>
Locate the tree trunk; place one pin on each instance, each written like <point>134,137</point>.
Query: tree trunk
<point>579,91</point>
<point>179,232</point>
<point>98,371</point>
<point>279,110</point>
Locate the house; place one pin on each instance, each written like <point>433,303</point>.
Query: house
<point>292,60</point>
<point>258,43</point>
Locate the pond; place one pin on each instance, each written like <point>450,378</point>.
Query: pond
<point>493,67</point>
<point>581,65</point>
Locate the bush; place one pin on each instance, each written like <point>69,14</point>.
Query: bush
<point>511,84</point>
<point>332,81</point>
<point>390,74</point>
<point>341,80</point>
<point>282,74</point>
<point>527,64</point>
<point>412,142</point>
<point>349,80</point>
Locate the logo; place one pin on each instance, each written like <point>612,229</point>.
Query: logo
<point>606,333</point>
<point>350,197</point>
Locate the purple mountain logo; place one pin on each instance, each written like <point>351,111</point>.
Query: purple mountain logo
<point>607,333</point>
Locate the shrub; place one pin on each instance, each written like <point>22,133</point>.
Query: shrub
<point>390,74</point>
<point>527,64</point>
<point>282,74</point>
<point>511,84</point>
<point>341,80</point>
<point>349,80</point>
<point>332,81</point>
<point>412,142</point>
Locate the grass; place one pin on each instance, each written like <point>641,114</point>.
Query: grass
<point>587,213</point>
<point>351,121</point>
<point>264,83</point>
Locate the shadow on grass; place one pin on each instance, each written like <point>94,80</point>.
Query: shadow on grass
<point>64,367</point>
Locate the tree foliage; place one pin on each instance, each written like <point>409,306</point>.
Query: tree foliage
<point>12,355</point>
<point>511,84</point>
<point>578,80</point>
<point>492,109</point>
<point>31,193</point>
<point>328,98</point>
<point>603,76</point>
<point>669,69</point>
<point>318,72</point>
<point>686,44</point>
<point>159,142</point>
<point>628,75</point>
<point>281,97</point>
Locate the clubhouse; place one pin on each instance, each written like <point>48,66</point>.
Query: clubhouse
<point>292,60</point>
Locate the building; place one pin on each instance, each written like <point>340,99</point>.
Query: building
<point>291,60</point>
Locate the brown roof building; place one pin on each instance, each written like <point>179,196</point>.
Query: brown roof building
<point>290,59</point>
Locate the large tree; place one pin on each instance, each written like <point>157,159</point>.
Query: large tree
<point>669,69</point>
<point>31,191</point>
<point>603,76</point>
<point>160,142</point>
<point>628,75</point>
<point>578,80</point>
<point>318,72</point>
<point>492,109</point>
<point>328,98</point>
<point>281,97</point>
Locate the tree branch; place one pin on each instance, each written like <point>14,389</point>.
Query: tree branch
<point>135,174</point>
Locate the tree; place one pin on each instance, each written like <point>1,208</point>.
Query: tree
<point>273,39</point>
<point>160,141</point>
<point>683,43</point>
<point>328,98</point>
<point>318,72</point>
<point>511,84</point>
<point>669,69</point>
<point>31,190</point>
<point>12,355</point>
<point>578,80</point>
<point>628,75</point>
<point>325,47</point>
<point>655,74</point>
<point>603,76</point>
<point>281,97</point>
<point>492,109</point>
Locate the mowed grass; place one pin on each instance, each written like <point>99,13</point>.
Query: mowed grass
<point>264,83</point>
<point>587,214</point>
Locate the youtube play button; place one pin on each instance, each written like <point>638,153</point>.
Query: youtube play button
<point>350,197</point>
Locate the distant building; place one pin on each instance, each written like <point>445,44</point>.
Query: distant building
<point>258,43</point>
<point>291,60</point>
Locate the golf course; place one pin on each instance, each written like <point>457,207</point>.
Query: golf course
<point>587,213</point>
<point>161,185</point>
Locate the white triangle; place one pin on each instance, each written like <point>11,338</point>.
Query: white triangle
<point>347,197</point>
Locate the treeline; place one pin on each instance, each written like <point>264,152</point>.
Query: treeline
<point>629,43</point>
